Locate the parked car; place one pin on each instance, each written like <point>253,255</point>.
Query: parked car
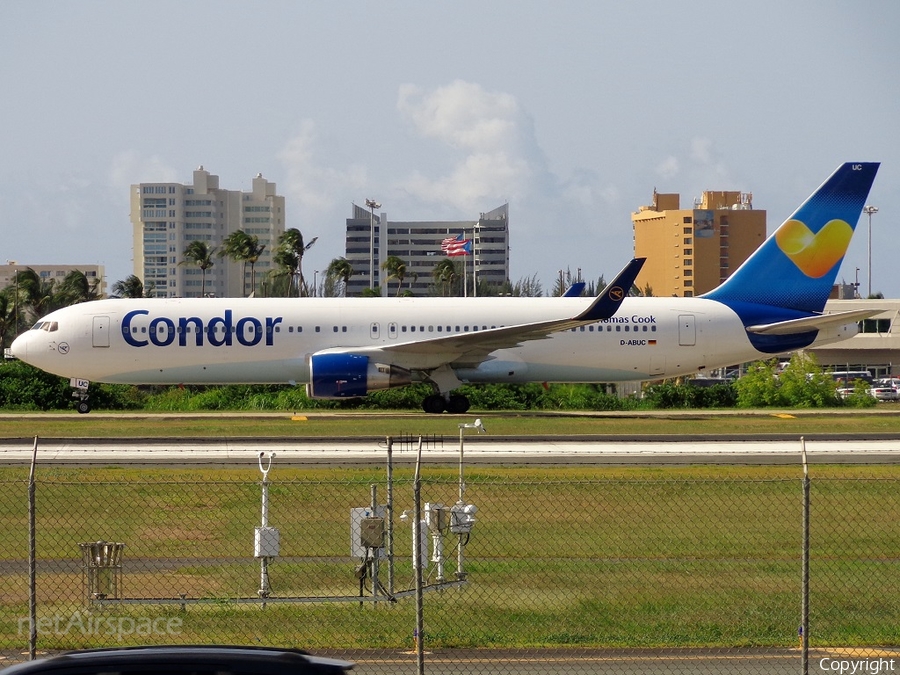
<point>174,660</point>
<point>885,390</point>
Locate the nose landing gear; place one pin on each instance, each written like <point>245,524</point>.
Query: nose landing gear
<point>81,394</point>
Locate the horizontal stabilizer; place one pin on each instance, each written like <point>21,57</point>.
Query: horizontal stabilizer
<point>810,323</point>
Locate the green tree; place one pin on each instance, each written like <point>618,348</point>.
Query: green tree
<point>76,288</point>
<point>527,287</point>
<point>340,268</point>
<point>446,273</point>
<point>289,256</point>
<point>199,253</point>
<point>759,386</point>
<point>9,315</point>
<point>38,296</point>
<point>396,269</point>
<point>130,287</point>
<point>245,249</point>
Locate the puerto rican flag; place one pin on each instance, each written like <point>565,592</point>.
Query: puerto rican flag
<point>453,246</point>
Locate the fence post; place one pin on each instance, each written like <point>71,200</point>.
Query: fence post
<point>32,558</point>
<point>804,603</point>
<point>390,514</point>
<point>417,558</point>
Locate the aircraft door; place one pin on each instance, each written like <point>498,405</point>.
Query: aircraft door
<point>687,330</point>
<point>392,330</point>
<point>101,331</point>
<point>374,330</point>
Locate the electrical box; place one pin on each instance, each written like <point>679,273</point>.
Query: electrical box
<point>367,527</point>
<point>436,516</point>
<point>462,518</point>
<point>266,542</point>
<point>371,532</point>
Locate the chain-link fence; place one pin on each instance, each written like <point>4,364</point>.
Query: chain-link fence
<point>560,570</point>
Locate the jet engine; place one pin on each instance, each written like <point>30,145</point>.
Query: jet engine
<point>341,375</point>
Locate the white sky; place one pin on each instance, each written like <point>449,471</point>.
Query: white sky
<point>572,111</point>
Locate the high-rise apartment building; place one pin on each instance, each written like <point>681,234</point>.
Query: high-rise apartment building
<point>418,244</point>
<point>691,251</point>
<point>166,217</point>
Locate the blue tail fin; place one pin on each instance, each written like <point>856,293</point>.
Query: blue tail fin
<point>795,268</point>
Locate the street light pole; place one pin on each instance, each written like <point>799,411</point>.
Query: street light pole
<point>372,204</point>
<point>869,210</point>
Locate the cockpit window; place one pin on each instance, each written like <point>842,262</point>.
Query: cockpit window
<point>48,326</point>
<point>37,326</point>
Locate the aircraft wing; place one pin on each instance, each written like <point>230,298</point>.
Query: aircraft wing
<point>816,322</point>
<point>466,349</point>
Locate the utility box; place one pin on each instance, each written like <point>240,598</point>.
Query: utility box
<point>367,527</point>
<point>266,542</point>
<point>102,569</point>
<point>436,516</point>
<point>462,518</point>
<point>371,534</point>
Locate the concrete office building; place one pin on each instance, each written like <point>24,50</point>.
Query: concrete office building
<point>166,217</point>
<point>54,272</point>
<point>691,251</point>
<point>418,244</point>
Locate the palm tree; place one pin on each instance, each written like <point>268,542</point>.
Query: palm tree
<point>76,287</point>
<point>340,268</point>
<point>396,269</point>
<point>245,249</point>
<point>36,293</point>
<point>289,256</point>
<point>445,273</point>
<point>131,287</point>
<point>9,314</point>
<point>199,253</point>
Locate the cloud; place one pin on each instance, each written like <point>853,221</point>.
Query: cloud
<point>312,185</point>
<point>498,156</point>
<point>127,165</point>
<point>668,168</point>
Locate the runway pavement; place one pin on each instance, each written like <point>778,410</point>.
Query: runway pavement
<point>477,450</point>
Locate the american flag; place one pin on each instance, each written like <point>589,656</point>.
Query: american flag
<point>453,246</point>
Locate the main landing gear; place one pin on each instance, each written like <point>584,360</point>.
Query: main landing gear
<point>455,404</point>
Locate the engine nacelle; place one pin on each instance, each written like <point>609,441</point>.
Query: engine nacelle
<point>349,375</point>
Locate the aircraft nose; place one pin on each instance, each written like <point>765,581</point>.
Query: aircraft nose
<point>19,348</point>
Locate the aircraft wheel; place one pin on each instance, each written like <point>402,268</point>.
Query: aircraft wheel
<point>434,404</point>
<point>83,407</point>
<point>458,404</point>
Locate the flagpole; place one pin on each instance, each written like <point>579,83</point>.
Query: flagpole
<point>474,264</point>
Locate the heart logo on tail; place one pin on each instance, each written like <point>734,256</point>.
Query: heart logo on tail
<point>814,254</point>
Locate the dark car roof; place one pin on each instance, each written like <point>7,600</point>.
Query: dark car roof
<point>193,658</point>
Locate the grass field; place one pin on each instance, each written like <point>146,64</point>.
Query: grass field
<point>885,420</point>
<point>614,557</point>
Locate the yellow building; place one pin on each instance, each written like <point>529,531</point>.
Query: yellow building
<point>691,251</point>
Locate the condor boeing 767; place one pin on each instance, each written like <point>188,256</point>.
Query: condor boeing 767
<point>347,347</point>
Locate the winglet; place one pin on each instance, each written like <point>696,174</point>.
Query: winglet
<point>608,302</point>
<point>574,290</point>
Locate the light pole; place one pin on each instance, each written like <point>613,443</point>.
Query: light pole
<point>869,210</point>
<point>462,483</point>
<point>372,204</point>
<point>315,282</point>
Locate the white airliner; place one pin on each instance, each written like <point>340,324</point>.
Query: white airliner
<point>347,347</point>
